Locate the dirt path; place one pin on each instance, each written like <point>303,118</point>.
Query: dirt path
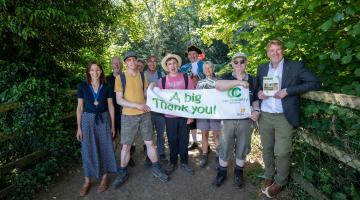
<point>142,185</point>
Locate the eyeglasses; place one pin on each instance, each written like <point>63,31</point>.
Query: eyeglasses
<point>241,62</point>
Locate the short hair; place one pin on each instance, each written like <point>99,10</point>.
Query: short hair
<point>171,58</point>
<point>275,42</point>
<point>88,76</point>
<point>142,61</point>
<point>210,64</point>
<point>151,56</point>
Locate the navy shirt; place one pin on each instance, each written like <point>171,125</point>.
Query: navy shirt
<point>84,92</point>
<point>248,78</point>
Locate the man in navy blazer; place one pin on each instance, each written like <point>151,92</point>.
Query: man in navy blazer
<point>285,81</point>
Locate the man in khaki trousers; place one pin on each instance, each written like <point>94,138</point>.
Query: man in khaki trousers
<point>284,81</point>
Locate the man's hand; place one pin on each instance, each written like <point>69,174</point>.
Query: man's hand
<point>143,107</point>
<point>113,132</point>
<point>261,95</point>
<point>281,94</point>
<point>255,116</point>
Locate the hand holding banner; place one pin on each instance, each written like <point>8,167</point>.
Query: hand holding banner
<point>204,104</point>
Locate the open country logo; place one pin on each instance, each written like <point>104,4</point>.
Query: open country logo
<point>234,92</point>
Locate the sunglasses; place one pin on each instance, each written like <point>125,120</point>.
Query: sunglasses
<point>241,62</point>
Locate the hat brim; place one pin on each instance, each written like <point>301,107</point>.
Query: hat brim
<point>163,61</point>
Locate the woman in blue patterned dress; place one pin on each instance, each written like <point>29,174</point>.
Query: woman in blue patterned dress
<point>95,127</point>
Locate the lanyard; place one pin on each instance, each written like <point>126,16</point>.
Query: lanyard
<point>95,95</point>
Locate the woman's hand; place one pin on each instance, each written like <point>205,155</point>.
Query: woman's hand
<point>245,84</point>
<point>152,85</point>
<point>79,135</point>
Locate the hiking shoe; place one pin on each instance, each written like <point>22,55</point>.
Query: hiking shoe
<point>272,190</point>
<point>170,168</point>
<point>266,183</point>
<point>158,172</point>
<point>131,162</point>
<point>220,176</point>
<point>203,160</point>
<point>216,164</point>
<point>238,177</point>
<point>147,162</point>
<point>120,179</point>
<point>186,168</point>
<point>193,146</point>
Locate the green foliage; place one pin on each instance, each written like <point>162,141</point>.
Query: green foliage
<point>45,48</point>
<point>324,34</point>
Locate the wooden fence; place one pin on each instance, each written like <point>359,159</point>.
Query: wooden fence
<point>326,97</point>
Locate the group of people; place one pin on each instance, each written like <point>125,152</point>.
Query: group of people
<point>118,104</point>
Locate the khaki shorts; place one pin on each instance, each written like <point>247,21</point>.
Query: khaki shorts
<point>132,124</point>
<point>235,133</point>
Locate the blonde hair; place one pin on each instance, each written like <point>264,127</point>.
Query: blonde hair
<point>275,42</point>
<point>210,64</point>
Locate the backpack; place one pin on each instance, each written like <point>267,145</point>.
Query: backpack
<point>186,79</point>
<point>123,81</point>
<point>159,74</point>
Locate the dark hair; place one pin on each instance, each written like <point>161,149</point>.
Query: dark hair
<point>88,77</point>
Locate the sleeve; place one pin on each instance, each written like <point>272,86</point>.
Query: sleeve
<point>118,84</point>
<point>80,89</point>
<point>109,92</point>
<point>307,82</point>
<point>223,77</point>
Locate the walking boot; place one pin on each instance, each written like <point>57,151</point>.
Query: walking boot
<point>158,172</point>
<point>204,160</point>
<point>238,177</point>
<point>221,176</point>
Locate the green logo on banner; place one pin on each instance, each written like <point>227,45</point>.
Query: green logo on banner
<point>234,92</point>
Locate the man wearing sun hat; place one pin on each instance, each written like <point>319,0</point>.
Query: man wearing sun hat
<point>130,90</point>
<point>195,70</point>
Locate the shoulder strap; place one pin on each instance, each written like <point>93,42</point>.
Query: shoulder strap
<point>159,74</point>
<point>163,81</point>
<point>142,79</point>
<point>123,82</point>
<point>186,79</point>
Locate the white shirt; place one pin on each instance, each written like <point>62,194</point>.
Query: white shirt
<point>194,68</point>
<point>271,104</point>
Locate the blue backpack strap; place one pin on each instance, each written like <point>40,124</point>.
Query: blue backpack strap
<point>159,74</point>
<point>186,79</point>
<point>123,82</point>
<point>163,81</point>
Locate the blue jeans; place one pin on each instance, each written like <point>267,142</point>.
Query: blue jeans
<point>158,121</point>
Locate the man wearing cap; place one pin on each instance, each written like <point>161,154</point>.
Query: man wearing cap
<point>194,69</point>
<point>280,112</point>
<point>130,93</point>
<point>236,131</point>
<point>152,76</point>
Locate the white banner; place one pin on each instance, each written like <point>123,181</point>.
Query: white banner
<point>204,104</point>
